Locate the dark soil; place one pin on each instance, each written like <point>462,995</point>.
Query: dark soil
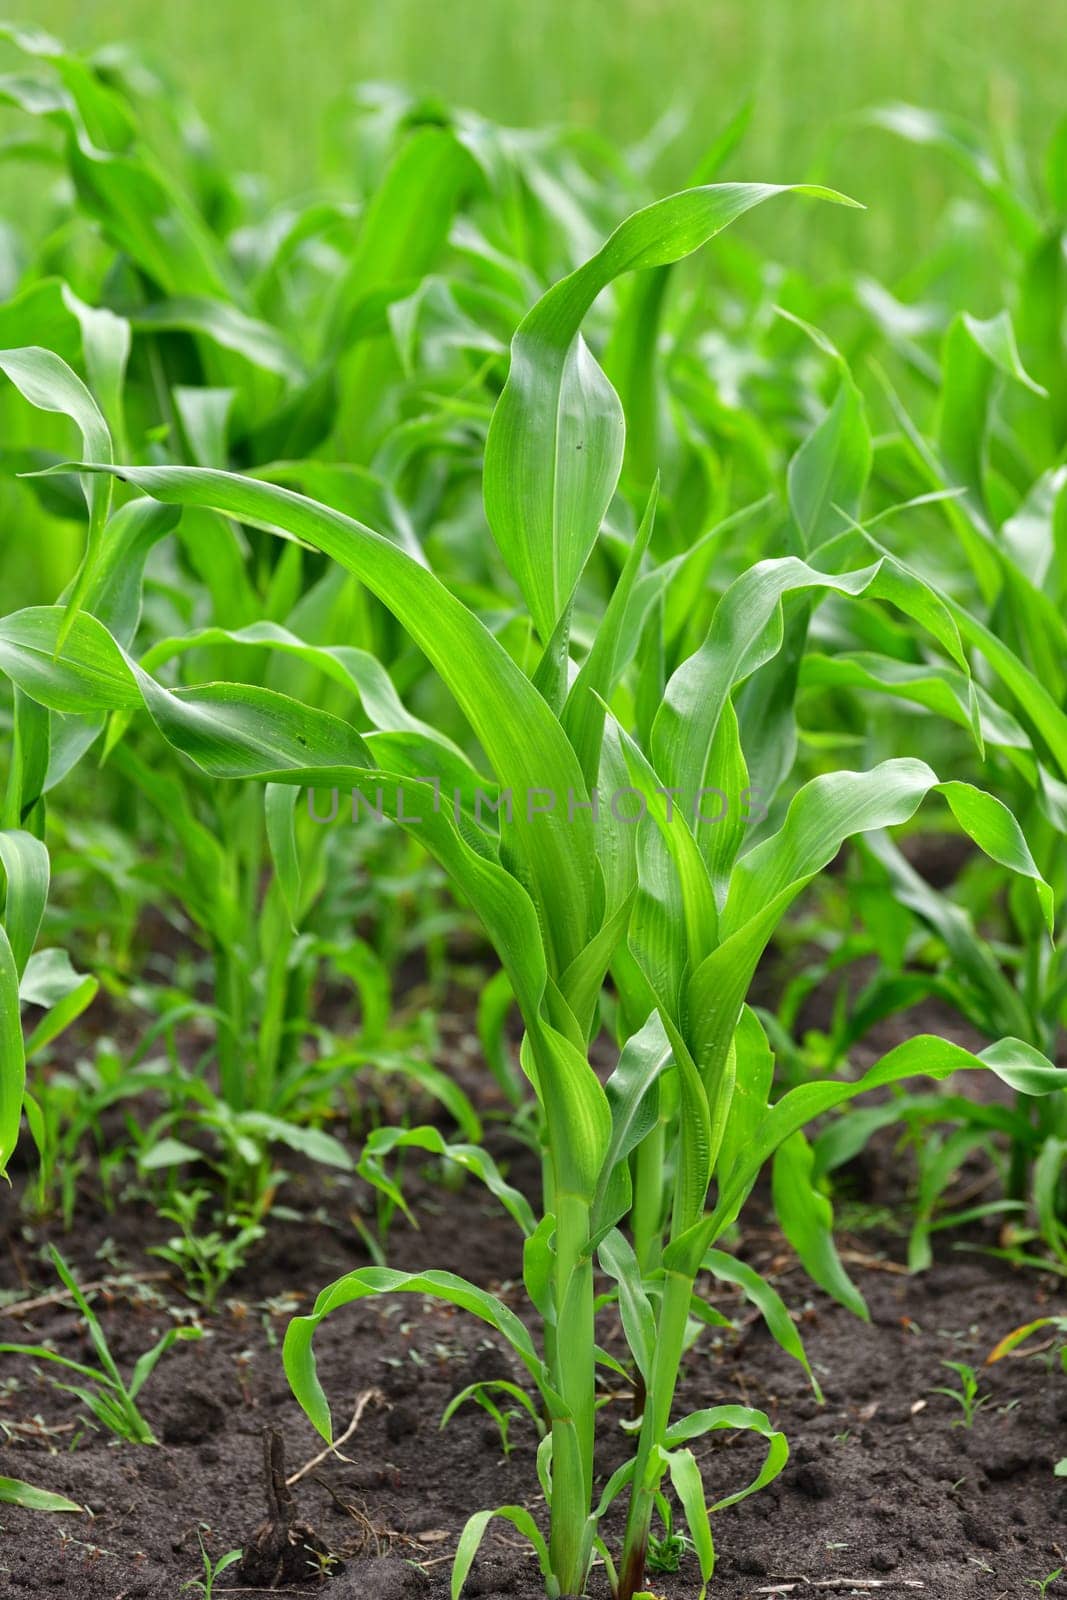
<point>884,1486</point>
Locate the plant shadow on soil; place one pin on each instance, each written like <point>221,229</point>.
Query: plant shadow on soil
<point>883,1485</point>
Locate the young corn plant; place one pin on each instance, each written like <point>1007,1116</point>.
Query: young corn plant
<point>110,1398</point>
<point>595,844</point>
<point>976,428</point>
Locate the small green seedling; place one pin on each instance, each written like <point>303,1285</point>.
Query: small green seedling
<point>110,1399</point>
<point>206,1260</point>
<point>1042,1585</point>
<point>665,1552</point>
<point>479,1393</point>
<point>213,1570</point>
<point>967,1396</point>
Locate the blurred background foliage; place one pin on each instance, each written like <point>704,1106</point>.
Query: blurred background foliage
<point>265,72</point>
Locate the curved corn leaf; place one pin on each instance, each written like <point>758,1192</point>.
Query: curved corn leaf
<point>734,1418</point>
<point>14,1492</point>
<point>518,732</point>
<point>46,381</point>
<point>555,445</point>
<point>474,1532</point>
<point>299,1357</point>
<point>470,1157</point>
<point>730,1269</point>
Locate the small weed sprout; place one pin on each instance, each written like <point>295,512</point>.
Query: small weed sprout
<point>503,1417</point>
<point>666,1551</point>
<point>213,1570</point>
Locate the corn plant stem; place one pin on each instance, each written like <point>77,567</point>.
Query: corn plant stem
<point>548,1206</point>
<point>271,1031</point>
<point>574,1378</point>
<point>230,992</point>
<point>670,1344</point>
<point>646,1215</point>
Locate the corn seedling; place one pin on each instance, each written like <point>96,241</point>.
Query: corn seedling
<point>107,1395</point>
<point>968,1396</point>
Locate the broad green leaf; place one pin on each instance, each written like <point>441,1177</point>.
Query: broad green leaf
<point>298,1355</point>
<point>516,728</point>
<point>730,1269</point>
<point>806,1217</point>
<point>555,445</point>
<point>13,1492</point>
<point>474,1532</point>
<point>26,873</point>
<point>48,383</point>
<point>1015,1063</point>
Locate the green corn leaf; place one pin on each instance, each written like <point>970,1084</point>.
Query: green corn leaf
<point>225,325</point>
<point>51,315</point>
<point>830,809</point>
<point>633,1099</point>
<point>314,1143</point>
<point>474,1390</point>
<point>806,1217</point>
<point>140,209</point>
<point>26,873</point>
<point>474,1532</point>
<point>730,1269</point>
<point>147,1363</point>
<point>470,1157</point>
<point>12,1053</point>
<point>518,732</point>
<point>584,711</point>
<point>974,963</point>
<point>747,631</point>
<point>689,1487</point>
<point>46,381</point>
<point>356,670</point>
<point>975,352</point>
<point>299,1357</point>
<point>59,1018</point>
<point>825,813</point>
<point>635,1309</point>
<point>955,138</point>
<point>937,688</point>
<point>13,1492</point>
<point>734,1418</point>
<point>1015,1063</point>
<point>279,804</point>
<point>555,445</point>
<point>829,472</point>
